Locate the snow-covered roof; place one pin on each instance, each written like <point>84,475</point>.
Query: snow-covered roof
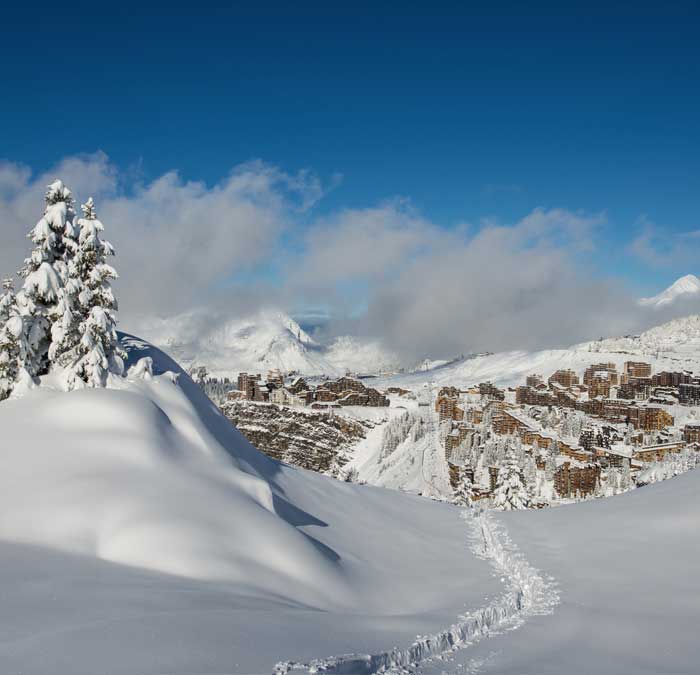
<point>619,449</point>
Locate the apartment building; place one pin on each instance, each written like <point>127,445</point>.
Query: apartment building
<point>601,370</point>
<point>566,378</point>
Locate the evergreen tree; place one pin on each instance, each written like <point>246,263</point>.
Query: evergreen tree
<point>625,475</point>
<point>530,474</point>
<point>8,301</point>
<point>86,340</point>
<point>550,466</point>
<point>510,492</point>
<point>45,273</point>
<point>12,346</point>
<point>464,492</point>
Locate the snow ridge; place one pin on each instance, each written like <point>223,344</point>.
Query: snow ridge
<point>528,594</point>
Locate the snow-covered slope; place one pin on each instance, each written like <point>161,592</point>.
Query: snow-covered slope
<point>413,461</point>
<point>679,339</point>
<point>686,286</point>
<point>671,346</point>
<point>139,528</point>
<point>626,573</point>
<point>264,341</point>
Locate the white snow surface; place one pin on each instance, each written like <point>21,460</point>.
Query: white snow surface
<point>686,286</point>
<point>626,572</point>
<point>139,529</point>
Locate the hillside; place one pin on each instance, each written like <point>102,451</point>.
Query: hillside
<point>672,346</point>
<point>139,528</point>
<point>307,439</point>
<point>678,339</point>
<point>626,573</point>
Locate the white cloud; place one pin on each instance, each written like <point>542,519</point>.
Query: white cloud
<point>661,248</point>
<point>177,241</point>
<point>367,244</point>
<point>384,271</point>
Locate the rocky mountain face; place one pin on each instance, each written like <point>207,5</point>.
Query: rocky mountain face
<point>308,439</point>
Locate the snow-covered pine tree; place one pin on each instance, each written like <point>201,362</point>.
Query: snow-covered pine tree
<point>464,492</point>
<point>45,273</point>
<point>625,475</point>
<point>12,345</point>
<point>550,466</point>
<point>530,473</point>
<point>86,341</point>
<point>510,493</point>
<point>8,301</point>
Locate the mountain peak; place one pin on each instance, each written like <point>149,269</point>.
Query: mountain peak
<point>689,282</point>
<point>685,286</point>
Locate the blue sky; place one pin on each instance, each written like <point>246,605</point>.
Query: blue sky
<point>469,111</point>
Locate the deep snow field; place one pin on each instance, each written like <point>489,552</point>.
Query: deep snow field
<point>626,568</point>
<point>140,533</point>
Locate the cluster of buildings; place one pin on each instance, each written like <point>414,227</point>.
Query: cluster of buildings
<point>621,410</point>
<point>631,397</point>
<point>328,394</point>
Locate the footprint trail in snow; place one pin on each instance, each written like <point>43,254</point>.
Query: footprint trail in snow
<point>527,594</point>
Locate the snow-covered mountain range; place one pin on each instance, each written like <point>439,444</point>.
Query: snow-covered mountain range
<point>267,340</point>
<point>684,288</point>
<point>272,340</point>
<point>672,346</point>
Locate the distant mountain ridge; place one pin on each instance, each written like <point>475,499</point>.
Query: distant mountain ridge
<point>678,337</point>
<point>674,345</point>
<point>683,288</point>
<point>266,341</point>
